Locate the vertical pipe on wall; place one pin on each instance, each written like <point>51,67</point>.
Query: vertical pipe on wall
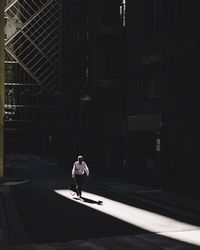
<point>1,83</point>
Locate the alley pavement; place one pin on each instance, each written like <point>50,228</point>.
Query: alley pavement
<point>177,227</point>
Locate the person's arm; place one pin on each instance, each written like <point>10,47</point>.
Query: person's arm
<point>86,169</point>
<point>73,171</point>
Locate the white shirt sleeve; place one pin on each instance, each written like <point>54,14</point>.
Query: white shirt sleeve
<point>73,170</point>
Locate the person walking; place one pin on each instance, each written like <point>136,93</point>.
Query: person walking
<point>79,170</point>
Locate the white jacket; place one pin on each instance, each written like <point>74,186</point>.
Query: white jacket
<point>80,168</point>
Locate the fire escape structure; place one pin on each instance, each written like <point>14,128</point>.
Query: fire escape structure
<point>32,59</point>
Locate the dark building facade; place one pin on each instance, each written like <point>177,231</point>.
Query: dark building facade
<point>127,96</point>
<point>162,65</point>
<point>143,64</point>
<point>94,71</point>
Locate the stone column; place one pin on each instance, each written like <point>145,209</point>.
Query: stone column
<point>1,84</point>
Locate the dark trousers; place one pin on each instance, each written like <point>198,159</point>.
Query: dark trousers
<point>79,182</point>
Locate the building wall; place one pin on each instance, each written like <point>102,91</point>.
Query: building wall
<point>142,97</point>
<point>162,74</point>
<point>106,85</point>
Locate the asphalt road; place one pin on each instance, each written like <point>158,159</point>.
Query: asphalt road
<point>50,217</point>
<point>41,213</point>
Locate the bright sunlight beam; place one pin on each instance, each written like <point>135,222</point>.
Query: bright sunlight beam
<point>155,223</point>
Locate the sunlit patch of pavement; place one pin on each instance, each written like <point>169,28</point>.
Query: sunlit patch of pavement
<point>150,221</point>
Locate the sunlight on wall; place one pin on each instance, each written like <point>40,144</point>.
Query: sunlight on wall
<point>153,222</point>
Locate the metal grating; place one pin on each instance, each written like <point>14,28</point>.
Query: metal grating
<point>33,57</point>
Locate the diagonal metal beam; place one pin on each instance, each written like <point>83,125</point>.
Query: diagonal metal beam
<point>10,5</point>
<point>33,43</point>
<point>33,48</point>
<point>26,69</point>
<point>28,22</point>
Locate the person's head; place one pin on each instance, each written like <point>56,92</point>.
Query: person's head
<point>80,158</point>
